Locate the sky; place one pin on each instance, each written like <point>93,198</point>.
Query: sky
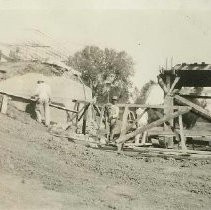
<point>150,31</point>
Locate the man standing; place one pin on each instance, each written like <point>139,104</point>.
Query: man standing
<point>113,114</point>
<point>43,98</point>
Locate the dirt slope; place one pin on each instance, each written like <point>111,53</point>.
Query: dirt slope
<point>39,171</point>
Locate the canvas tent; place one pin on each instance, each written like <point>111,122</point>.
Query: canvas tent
<point>21,78</point>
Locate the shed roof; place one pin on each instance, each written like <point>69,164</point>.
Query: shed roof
<point>193,66</point>
<point>191,75</point>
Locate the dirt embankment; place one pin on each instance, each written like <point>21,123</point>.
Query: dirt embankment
<point>39,171</point>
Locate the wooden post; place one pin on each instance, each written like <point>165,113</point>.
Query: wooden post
<point>169,110</point>
<point>182,136</point>
<point>169,103</point>
<point>76,107</point>
<point>84,120</point>
<point>4,104</point>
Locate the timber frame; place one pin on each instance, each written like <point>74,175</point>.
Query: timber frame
<point>172,81</point>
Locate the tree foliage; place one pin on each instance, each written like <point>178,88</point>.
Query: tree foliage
<point>142,95</point>
<point>104,70</point>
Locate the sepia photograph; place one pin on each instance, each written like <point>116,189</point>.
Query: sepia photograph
<point>105,104</point>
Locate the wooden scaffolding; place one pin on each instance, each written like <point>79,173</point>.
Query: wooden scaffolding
<point>176,104</point>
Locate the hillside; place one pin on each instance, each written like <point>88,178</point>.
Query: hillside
<point>40,171</point>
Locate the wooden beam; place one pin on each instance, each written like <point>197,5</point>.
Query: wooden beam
<point>161,106</point>
<point>169,102</point>
<point>31,99</point>
<point>62,108</point>
<point>196,108</point>
<point>176,80</point>
<point>162,84</point>
<point>182,136</point>
<point>205,92</point>
<point>4,104</point>
<point>124,138</point>
<point>195,96</point>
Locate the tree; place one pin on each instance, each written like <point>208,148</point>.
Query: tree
<point>105,71</point>
<point>141,95</point>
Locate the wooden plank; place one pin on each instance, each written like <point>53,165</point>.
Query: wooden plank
<point>4,104</point>
<point>196,108</point>
<point>182,136</point>
<point>124,138</point>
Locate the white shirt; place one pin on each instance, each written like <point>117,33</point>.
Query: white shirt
<point>43,91</point>
<point>144,118</point>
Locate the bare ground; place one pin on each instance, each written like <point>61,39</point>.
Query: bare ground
<point>39,171</point>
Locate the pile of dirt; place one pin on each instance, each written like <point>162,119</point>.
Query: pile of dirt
<point>41,171</point>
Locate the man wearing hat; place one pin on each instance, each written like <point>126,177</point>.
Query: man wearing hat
<point>43,98</point>
<point>113,116</point>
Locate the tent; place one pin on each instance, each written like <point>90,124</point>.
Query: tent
<point>64,88</point>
